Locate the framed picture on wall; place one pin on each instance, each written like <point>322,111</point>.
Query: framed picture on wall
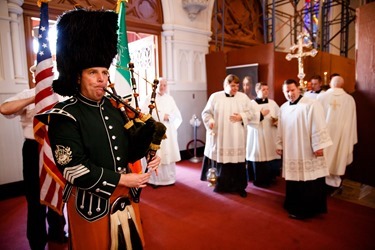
<point>248,74</point>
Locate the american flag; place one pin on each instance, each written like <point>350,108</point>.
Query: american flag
<point>51,180</point>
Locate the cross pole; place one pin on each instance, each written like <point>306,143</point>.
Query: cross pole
<point>300,54</point>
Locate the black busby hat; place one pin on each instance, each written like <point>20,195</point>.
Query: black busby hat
<point>85,39</point>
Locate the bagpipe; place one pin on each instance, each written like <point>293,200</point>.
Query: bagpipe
<point>139,124</point>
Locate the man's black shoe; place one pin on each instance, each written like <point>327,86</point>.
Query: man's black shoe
<point>62,239</point>
<point>297,217</point>
<point>153,185</point>
<point>242,193</point>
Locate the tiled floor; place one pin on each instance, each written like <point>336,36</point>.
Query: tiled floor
<point>357,193</point>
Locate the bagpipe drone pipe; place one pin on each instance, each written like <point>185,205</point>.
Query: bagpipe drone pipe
<point>144,127</point>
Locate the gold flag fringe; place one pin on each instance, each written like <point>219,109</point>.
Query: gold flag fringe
<point>39,2</point>
<point>118,5</point>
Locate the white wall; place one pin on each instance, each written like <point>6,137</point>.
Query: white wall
<point>184,46</point>
<point>13,79</point>
<point>10,148</point>
<point>190,103</point>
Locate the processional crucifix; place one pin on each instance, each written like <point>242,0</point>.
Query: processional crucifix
<point>300,54</point>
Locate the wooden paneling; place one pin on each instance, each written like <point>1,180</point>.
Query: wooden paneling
<point>318,65</point>
<point>325,62</point>
<point>284,69</point>
<point>274,68</point>
<point>346,68</point>
<point>215,68</point>
<point>261,54</point>
<point>363,169</point>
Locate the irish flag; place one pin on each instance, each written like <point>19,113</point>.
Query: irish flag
<point>122,74</point>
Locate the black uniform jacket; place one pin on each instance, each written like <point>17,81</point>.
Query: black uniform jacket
<point>92,148</point>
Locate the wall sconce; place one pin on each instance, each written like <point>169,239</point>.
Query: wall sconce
<point>193,7</point>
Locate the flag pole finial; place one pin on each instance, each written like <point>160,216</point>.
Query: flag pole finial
<point>118,5</point>
<point>39,2</point>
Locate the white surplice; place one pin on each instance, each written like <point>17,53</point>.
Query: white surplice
<point>302,130</point>
<point>261,136</point>
<point>169,151</point>
<point>311,94</point>
<point>226,143</point>
<point>341,118</point>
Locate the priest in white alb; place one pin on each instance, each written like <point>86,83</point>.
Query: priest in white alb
<point>167,112</point>
<point>341,118</point>
<point>316,87</point>
<point>261,158</point>
<point>225,117</point>
<point>302,135</point>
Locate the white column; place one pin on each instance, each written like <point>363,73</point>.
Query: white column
<point>184,46</point>
<point>15,12</point>
<point>168,34</point>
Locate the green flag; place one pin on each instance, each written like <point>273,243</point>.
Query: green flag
<point>122,75</point>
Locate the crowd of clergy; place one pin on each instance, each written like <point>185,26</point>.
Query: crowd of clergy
<point>308,140</point>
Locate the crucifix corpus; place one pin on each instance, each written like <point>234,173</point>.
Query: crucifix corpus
<point>300,54</point>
